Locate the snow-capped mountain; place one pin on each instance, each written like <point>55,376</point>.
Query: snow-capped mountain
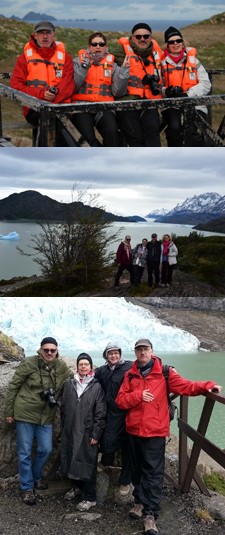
<point>197,209</point>
<point>157,212</point>
<point>207,202</point>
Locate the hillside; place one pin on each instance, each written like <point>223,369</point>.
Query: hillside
<point>32,205</point>
<point>218,225</point>
<point>207,36</point>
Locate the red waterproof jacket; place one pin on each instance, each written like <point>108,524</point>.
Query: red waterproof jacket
<point>65,84</point>
<point>150,419</point>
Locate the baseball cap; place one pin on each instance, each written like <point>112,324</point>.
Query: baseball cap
<point>143,342</point>
<point>44,25</point>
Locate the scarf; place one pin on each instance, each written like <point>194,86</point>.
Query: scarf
<point>144,370</point>
<point>176,59</point>
<point>139,51</point>
<point>127,248</point>
<point>81,383</point>
<point>166,246</point>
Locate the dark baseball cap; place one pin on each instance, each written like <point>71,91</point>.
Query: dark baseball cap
<point>143,342</point>
<point>44,25</point>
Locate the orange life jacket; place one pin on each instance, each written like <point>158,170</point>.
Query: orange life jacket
<point>43,72</point>
<point>184,73</point>
<point>138,70</point>
<point>97,86</point>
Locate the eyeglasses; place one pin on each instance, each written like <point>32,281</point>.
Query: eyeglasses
<point>142,36</point>
<point>175,41</point>
<point>98,44</point>
<point>143,348</point>
<point>52,351</point>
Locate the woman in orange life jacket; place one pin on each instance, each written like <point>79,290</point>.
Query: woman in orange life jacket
<point>98,79</point>
<point>183,75</point>
<point>141,127</point>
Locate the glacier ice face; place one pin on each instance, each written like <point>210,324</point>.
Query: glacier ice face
<point>87,324</point>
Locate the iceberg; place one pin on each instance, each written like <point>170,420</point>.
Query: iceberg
<point>10,236</point>
<point>87,324</point>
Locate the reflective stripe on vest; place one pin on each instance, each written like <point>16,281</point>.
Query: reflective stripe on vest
<point>184,75</point>
<point>138,71</point>
<point>97,86</point>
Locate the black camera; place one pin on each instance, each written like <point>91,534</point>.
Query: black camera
<point>48,395</point>
<point>174,91</point>
<point>152,80</point>
<point>52,90</point>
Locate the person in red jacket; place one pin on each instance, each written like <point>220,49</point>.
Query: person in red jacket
<point>125,260</point>
<point>143,394</point>
<point>44,70</point>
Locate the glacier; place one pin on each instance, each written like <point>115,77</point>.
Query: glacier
<point>87,324</point>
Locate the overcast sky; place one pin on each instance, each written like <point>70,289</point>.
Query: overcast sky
<point>128,181</point>
<point>178,9</point>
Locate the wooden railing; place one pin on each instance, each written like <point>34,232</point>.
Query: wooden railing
<point>188,463</point>
<point>57,116</point>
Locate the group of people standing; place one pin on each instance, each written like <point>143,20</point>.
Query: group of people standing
<point>121,405</point>
<point>153,255</point>
<point>139,70</point>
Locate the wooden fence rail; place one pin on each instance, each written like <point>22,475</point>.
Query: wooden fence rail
<point>53,116</point>
<point>188,464</point>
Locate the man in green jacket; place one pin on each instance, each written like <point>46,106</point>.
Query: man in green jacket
<point>31,402</point>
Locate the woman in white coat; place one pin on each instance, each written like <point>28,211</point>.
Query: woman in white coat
<point>169,259</point>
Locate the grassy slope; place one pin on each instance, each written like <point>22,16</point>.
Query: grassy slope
<point>207,36</point>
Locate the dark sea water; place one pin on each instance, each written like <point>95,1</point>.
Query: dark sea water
<point>120,25</point>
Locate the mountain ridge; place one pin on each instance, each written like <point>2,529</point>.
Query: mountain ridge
<point>32,205</point>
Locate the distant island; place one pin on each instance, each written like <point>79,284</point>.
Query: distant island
<point>33,17</point>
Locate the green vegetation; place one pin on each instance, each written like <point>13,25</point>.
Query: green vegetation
<point>216,482</point>
<point>203,257</point>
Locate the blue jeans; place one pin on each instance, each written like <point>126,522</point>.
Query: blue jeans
<point>31,467</point>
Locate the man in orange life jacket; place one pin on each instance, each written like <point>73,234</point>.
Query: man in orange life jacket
<point>142,127</point>
<point>44,70</point>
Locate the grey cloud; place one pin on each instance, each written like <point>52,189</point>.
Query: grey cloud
<point>113,168</point>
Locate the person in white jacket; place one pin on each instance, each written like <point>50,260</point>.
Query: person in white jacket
<point>183,75</point>
<point>169,259</point>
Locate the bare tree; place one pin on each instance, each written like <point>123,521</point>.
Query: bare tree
<point>77,248</point>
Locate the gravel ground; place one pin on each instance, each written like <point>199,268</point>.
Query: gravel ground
<point>54,516</point>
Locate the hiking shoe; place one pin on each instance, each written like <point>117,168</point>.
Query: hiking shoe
<point>28,497</point>
<point>136,511</point>
<point>150,527</point>
<point>85,505</point>
<point>41,484</point>
<point>72,493</point>
<point>124,490</point>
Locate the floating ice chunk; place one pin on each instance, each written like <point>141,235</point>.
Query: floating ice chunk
<point>10,236</point>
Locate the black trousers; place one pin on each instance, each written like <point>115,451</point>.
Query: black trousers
<point>125,474</point>
<point>147,459</point>
<point>138,272</point>
<point>167,273</point>
<point>141,128</point>
<point>87,487</point>
<point>153,269</point>
<point>177,135</point>
<point>120,271</point>
<point>106,125</point>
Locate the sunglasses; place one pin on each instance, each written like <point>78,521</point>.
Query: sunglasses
<point>98,44</point>
<point>139,36</point>
<point>175,41</point>
<point>52,351</point>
